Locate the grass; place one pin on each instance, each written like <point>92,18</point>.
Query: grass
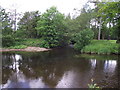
<point>32,42</point>
<point>21,44</point>
<point>102,47</point>
<point>17,47</point>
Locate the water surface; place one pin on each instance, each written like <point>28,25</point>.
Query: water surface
<point>59,68</point>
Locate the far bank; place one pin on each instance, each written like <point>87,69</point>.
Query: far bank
<point>102,47</point>
<point>95,47</point>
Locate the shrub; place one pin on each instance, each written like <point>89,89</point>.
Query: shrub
<point>44,44</point>
<point>94,86</point>
<point>7,41</point>
<point>83,38</point>
<point>36,43</point>
<point>20,34</point>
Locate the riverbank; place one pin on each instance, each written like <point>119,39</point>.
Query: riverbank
<point>28,49</point>
<point>102,47</point>
<point>95,47</point>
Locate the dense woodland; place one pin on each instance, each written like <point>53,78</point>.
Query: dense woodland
<point>54,29</point>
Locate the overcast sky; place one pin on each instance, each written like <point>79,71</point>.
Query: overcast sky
<point>64,6</point>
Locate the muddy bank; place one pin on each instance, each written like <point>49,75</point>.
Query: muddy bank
<point>28,49</point>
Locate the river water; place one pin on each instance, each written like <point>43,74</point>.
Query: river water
<point>58,68</point>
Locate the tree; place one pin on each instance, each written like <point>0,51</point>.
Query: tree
<point>28,23</point>
<point>81,22</point>
<point>84,19</point>
<point>83,38</point>
<point>112,15</point>
<point>97,18</point>
<point>51,27</point>
<point>108,13</point>
<point>6,30</point>
<point>5,22</point>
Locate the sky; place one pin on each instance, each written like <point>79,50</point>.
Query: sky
<point>64,6</point>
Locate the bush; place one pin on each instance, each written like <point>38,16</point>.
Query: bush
<point>7,41</point>
<point>20,34</point>
<point>36,43</point>
<point>94,87</point>
<point>83,38</point>
<point>44,44</point>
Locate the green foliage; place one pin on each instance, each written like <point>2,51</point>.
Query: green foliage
<point>7,41</point>
<point>78,23</point>
<point>109,10</point>
<point>32,42</point>
<point>94,86</point>
<point>27,25</point>
<point>109,14</point>
<point>102,47</point>
<point>20,34</point>
<point>83,38</point>
<point>17,47</point>
<point>23,43</point>
<point>44,44</point>
<point>50,27</point>
<point>5,29</point>
<point>5,25</point>
<point>83,20</point>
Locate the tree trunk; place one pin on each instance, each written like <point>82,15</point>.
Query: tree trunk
<point>109,31</point>
<point>103,36</point>
<point>99,32</point>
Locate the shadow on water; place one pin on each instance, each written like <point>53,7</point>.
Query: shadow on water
<point>58,68</point>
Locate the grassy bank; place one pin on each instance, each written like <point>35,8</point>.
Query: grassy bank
<point>95,47</point>
<point>23,43</point>
<point>102,47</point>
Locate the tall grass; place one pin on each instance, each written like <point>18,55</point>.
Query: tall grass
<point>102,47</point>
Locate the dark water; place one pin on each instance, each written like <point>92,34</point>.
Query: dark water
<point>59,68</point>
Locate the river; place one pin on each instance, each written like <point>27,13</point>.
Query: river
<point>58,68</point>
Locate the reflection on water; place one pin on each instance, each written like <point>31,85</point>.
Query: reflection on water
<point>110,66</point>
<point>16,59</point>
<point>93,63</point>
<point>56,69</point>
<point>67,81</point>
